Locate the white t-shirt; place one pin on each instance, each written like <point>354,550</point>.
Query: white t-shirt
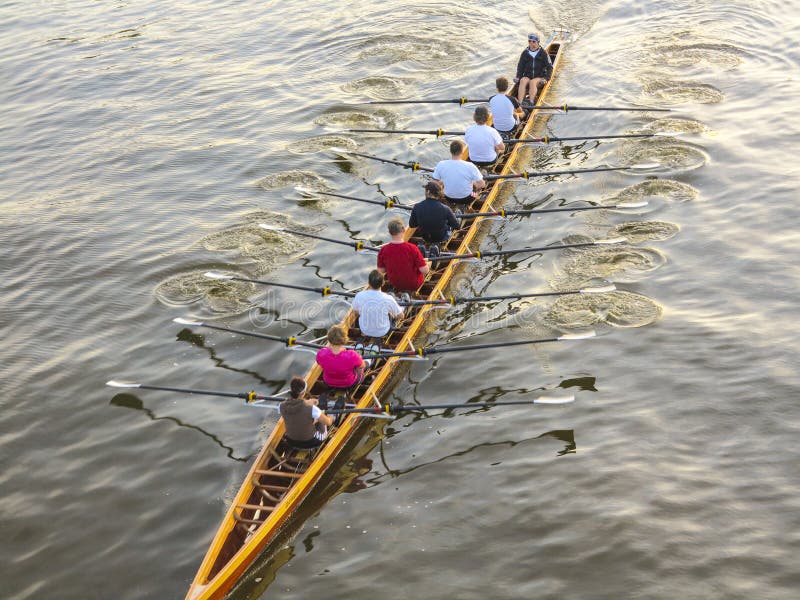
<point>373,308</point>
<point>481,140</point>
<point>502,112</point>
<point>457,177</point>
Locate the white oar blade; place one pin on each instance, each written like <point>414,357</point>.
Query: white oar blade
<point>604,289</point>
<point>669,133</point>
<point>339,150</point>
<point>122,384</point>
<point>215,275</point>
<point>554,400</point>
<point>269,227</point>
<point>305,190</point>
<point>616,240</point>
<point>639,204</point>
<point>189,322</point>
<point>578,336</point>
<point>644,166</point>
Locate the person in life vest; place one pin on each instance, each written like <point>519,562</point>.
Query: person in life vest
<point>534,69</point>
<point>306,425</point>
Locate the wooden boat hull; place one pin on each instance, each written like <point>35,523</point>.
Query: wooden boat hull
<point>281,479</point>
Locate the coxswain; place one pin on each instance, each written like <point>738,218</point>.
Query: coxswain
<point>461,179</point>
<point>342,367</point>
<point>400,261</point>
<point>534,69</point>
<point>433,219</point>
<point>306,425</point>
<point>483,141</point>
<point>375,309</point>
<point>506,111</point>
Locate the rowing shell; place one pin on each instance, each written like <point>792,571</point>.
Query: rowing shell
<point>268,507</point>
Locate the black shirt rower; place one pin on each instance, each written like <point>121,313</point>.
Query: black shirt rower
<point>433,219</point>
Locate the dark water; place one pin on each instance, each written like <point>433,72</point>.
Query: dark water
<point>142,143</point>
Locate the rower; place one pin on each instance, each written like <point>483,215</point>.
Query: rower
<point>375,309</point>
<point>342,368</point>
<point>461,179</point>
<point>433,219</point>
<point>306,425</point>
<point>534,69</point>
<point>506,111</point>
<point>400,261</point>
<point>483,141</point>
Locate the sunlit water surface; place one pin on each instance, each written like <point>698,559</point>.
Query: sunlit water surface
<point>143,142</point>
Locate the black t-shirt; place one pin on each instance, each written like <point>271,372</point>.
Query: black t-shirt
<point>433,220</point>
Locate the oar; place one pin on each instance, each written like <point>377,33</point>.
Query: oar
<point>385,203</point>
<point>549,139</point>
<point>422,351</point>
<point>535,211</point>
<point>568,107</point>
<point>565,108</point>
<point>529,174</point>
<point>414,166</point>
<point>539,140</point>
<point>293,341</point>
<point>248,397</point>
<point>479,254</point>
<point>497,213</point>
<point>324,291</point>
<point>394,409</point>
<point>453,300</point>
<point>460,101</point>
<point>358,246</point>
<point>290,341</point>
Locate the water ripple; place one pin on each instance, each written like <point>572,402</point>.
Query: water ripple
<point>617,309</point>
<point>669,189</point>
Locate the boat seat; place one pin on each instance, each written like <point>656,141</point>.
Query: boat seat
<point>271,487</point>
<point>255,507</point>
<point>286,460</point>
<point>271,473</point>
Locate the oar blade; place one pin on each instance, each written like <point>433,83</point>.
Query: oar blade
<point>554,400</point>
<point>577,336</point>
<point>122,384</point>
<point>610,241</point>
<point>602,289</point>
<point>189,322</point>
<point>643,166</point>
<point>305,190</point>
<point>269,227</point>
<point>640,204</point>
<point>215,275</point>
